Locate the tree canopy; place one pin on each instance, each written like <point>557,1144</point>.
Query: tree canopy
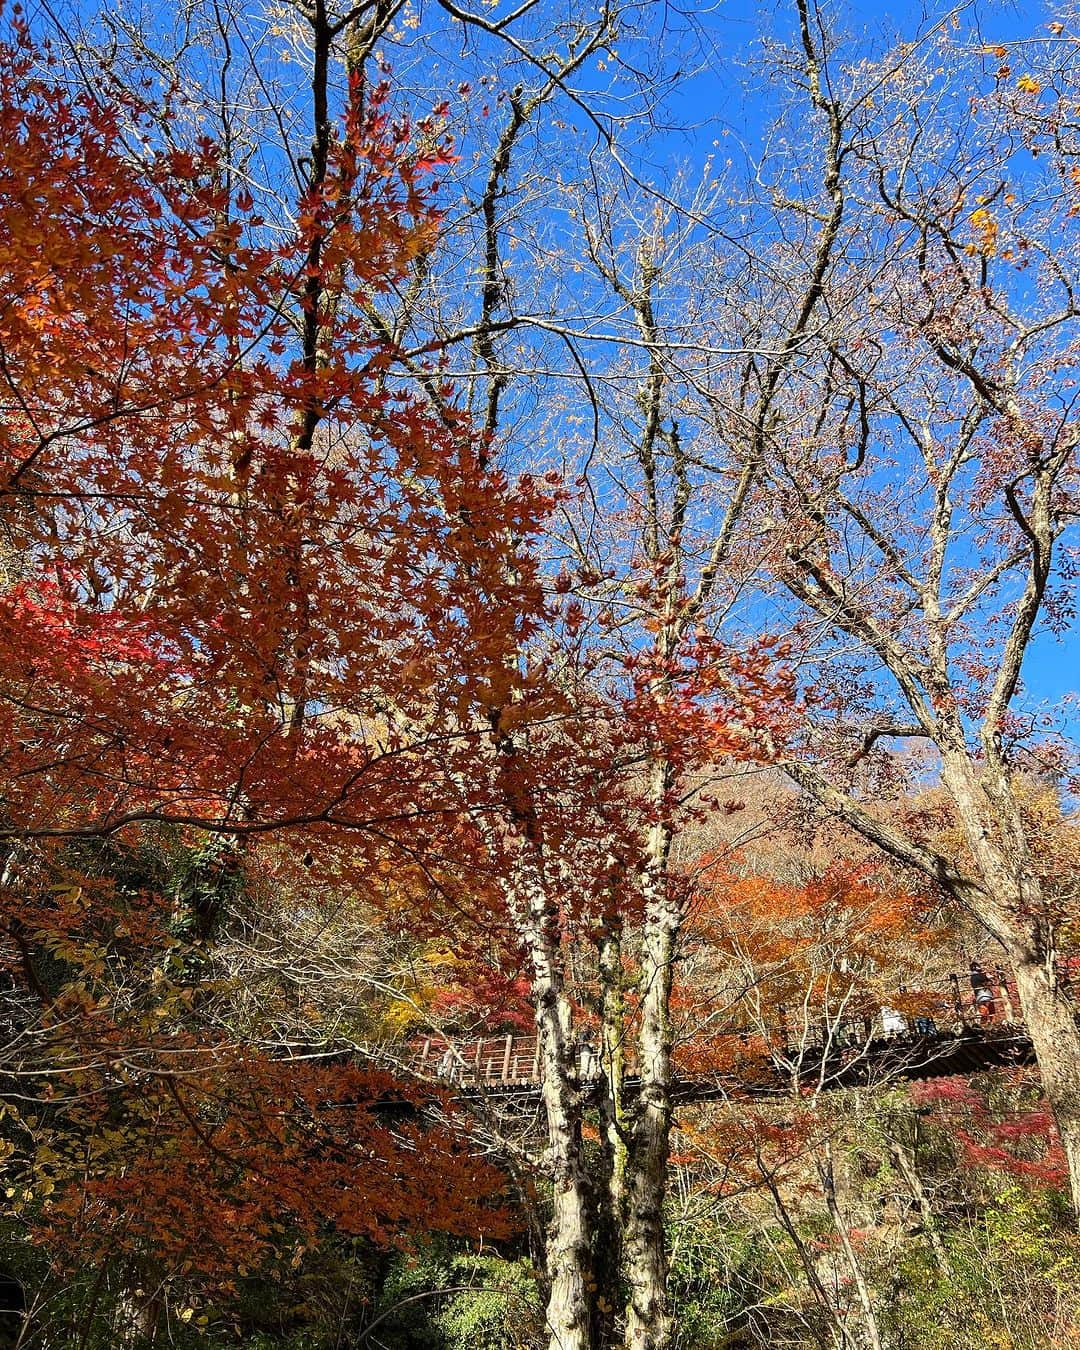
<point>460,586</point>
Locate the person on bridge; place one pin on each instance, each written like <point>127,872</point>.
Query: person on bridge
<point>982,993</point>
<point>449,1067</point>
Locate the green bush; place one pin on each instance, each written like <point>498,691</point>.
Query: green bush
<point>1014,1274</point>
<point>441,1299</point>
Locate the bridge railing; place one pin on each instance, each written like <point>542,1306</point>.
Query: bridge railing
<point>937,1007</point>
<point>944,1004</point>
<point>507,1059</point>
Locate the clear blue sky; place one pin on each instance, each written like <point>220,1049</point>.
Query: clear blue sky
<point>721,96</point>
<point>722,91</point>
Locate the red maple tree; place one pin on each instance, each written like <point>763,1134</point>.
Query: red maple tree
<point>250,587</point>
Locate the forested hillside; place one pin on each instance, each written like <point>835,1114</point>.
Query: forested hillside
<point>537,676</point>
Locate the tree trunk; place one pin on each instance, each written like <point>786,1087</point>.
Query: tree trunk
<point>613,1058</point>
<point>569,1299</point>
<point>1051,1022</point>
<point>828,1186</point>
<point>1013,907</point>
<point>611,1198</point>
<point>569,1268</point>
<point>647,1322</point>
<point>647,1325</point>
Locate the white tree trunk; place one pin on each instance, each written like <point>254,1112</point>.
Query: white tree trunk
<point>569,1307</point>
<point>647,1322</point>
<point>1051,1021</point>
<point>1013,908</point>
<point>610,1189</point>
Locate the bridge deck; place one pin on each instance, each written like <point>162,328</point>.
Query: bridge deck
<point>509,1064</point>
<point>946,1030</point>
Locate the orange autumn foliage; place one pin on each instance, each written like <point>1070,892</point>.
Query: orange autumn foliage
<point>249,584</point>
<point>250,580</point>
<point>787,960</point>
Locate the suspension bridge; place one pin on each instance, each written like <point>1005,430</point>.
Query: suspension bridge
<point>957,1031</point>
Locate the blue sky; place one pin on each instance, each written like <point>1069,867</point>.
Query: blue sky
<point>724,94</point>
<point>721,102</point>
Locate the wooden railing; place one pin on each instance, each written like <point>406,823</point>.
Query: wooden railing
<point>946,1031</point>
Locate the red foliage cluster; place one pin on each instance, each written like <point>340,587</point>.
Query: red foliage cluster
<point>231,563</point>
<point>223,1169</point>
<point>247,584</point>
<point>1020,1142</point>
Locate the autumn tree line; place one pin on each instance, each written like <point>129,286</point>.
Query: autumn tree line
<point>472,563</point>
